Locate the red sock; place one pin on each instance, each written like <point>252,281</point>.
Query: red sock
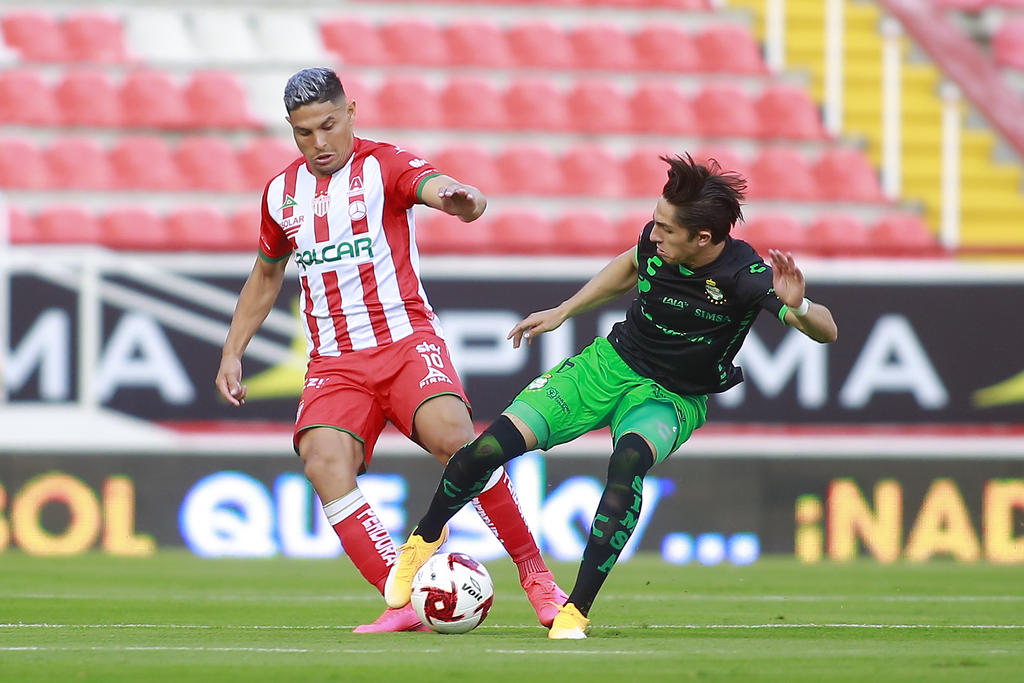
<point>499,508</point>
<point>363,537</point>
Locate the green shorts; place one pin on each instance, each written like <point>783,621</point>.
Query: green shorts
<point>596,389</point>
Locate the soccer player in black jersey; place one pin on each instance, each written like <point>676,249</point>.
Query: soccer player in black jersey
<point>698,292</point>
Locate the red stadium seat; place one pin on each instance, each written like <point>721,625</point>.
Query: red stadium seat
<point>529,169</point>
<point>847,174</point>
<point>21,226</point>
<point>22,165</point>
<point>645,172</point>
<point>440,233</point>
<point>772,231</point>
<point>534,104</point>
<point>263,158</point>
<point>244,225</point>
<point>88,98</point>
<point>781,173</point>
<point>602,46</point>
<point>523,231</point>
<point>838,235</point>
<point>202,228</point>
<point>355,41</point>
<point>209,163</point>
<point>662,108</point>
<point>67,224</point>
<point>144,163</point>
<point>414,41</point>
<point>153,99</point>
<point>79,163</point>
<point>724,110</point>
<point>477,42</point>
<point>727,158</point>
<point>590,170</point>
<point>26,97</point>
<point>37,36</point>
<point>408,102</point>
<point>729,48</point>
<point>904,235</point>
<point>135,228</point>
<point>1008,43</point>
<point>540,44</point>
<point>217,99</point>
<point>787,111</point>
<point>472,103</point>
<point>665,47</point>
<point>588,233</point>
<point>598,107</point>
<point>629,226</point>
<point>468,163</point>
<point>94,37</point>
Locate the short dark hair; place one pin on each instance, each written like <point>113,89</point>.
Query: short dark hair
<point>318,84</point>
<point>704,196</point>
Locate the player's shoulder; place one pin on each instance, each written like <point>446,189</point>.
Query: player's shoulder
<point>740,260</point>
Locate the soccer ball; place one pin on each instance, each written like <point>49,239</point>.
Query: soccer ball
<point>452,593</point>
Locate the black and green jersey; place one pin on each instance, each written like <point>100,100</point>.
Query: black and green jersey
<point>684,327</point>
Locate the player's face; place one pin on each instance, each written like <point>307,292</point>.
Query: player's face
<point>675,244</point>
<point>323,133</point>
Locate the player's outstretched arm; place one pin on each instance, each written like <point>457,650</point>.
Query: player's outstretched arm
<point>455,198</point>
<point>254,303</point>
<point>614,280</point>
<point>788,281</point>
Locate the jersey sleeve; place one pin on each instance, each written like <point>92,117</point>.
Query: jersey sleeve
<point>274,245</point>
<point>755,288</point>
<point>404,173</point>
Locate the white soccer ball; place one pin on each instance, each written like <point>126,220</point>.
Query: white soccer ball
<point>452,593</point>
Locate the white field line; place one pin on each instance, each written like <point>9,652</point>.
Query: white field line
<point>691,627</point>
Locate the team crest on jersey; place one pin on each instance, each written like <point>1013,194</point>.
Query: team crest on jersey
<point>357,211</point>
<point>715,294</point>
<point>321,203</point>
<point>355,186</point>
<point>538,383</point>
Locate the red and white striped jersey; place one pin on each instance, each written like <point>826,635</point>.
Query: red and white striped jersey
<point>352,237</point>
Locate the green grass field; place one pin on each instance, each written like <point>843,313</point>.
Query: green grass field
<point>176,617</point>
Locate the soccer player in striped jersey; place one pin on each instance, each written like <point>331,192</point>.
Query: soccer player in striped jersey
<point>698,292</point>
<point>343,213</point>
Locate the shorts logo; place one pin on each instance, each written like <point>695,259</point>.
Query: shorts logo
<point>538,383</point>
<point>431,355</point>
<point>315,382</point>
<point>298,413</point>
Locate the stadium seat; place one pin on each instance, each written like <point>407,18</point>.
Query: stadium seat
<point>263,158</point>
<point>602,45</point>
<point>78,163</point>
<point>1008,43</point>
<point>833,235</point>
<point>665,47</point>
<point>540,44</point>
<point>223,35</point>
<point>158,35</point>
<point>590,170</point>
<point>477,42</point>
<point>88,98</point>
<point>244,225</point>
<point>440,233</point>
<point>144,162</point>
<point>36,36</point>
<point>134,228</point>
<point>414,41</point>
<point>903,235</point>
<point>724,110</point>
<point>468,163</point>
<point>787,111</point>
<point>846,174</point>
<point>209,163</point>
<point>217,99</point>
<point>645,173</point>
<point>727,158</point>
<point>355,41</point>
<point>20,225</point>
<point>201,228</point>
<point>729,48</point>
<point>529,169</point>
<point>26,97</point>
<point>472,103</point>
<point>153,99</point>
<point>523,231</point>
<point>535,104</point>
<point>662,108</point>
<point>772,231</point>
<point>285,36</point>
<point>629,226</point>
<point>598,107</point>
<point>94,37</point>
<point>408,102</point>
<point>781,173</point>
<point>587,233</point>
<point>22,165</point>
<point>67,224</point>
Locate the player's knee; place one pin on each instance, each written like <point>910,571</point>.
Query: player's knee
<point>321,461</point>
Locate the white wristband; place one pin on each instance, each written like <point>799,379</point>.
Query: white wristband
<point>801,310</point>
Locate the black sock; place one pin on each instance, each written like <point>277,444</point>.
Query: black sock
<point>616,516</point>
<point>467,473</point>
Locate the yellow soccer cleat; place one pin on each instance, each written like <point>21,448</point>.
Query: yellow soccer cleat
<point>569,624</point>
<point>411,556</point>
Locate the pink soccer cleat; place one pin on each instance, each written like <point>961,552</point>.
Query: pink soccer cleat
<point>545,595</point>
<point>394,621</point>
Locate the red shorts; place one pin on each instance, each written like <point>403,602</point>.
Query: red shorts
<point>358,392</point>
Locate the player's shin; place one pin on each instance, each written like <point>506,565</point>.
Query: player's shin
<point>364,538</point>
<point>498,506</point>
